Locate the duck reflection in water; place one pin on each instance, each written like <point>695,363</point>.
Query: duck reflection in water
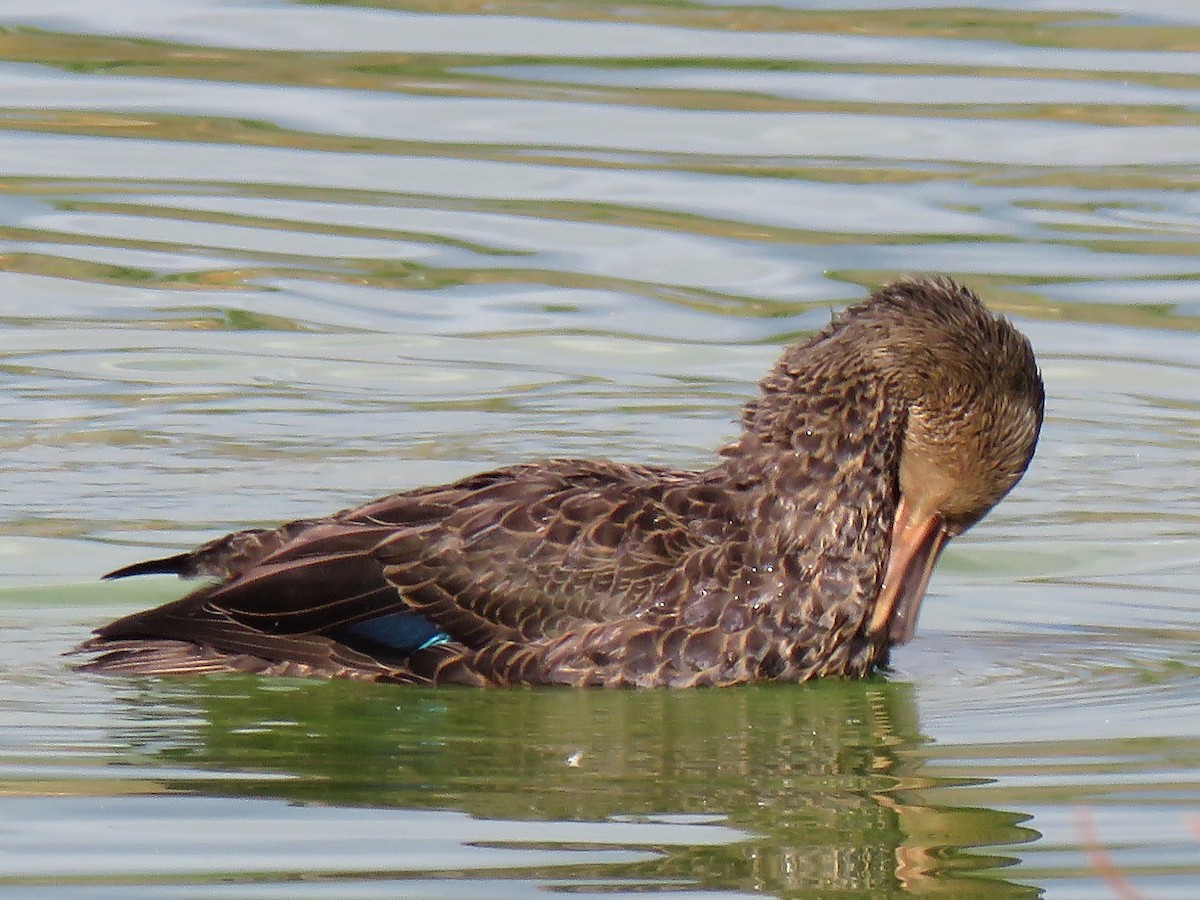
<point>782,792</point>
<point>803,552</point>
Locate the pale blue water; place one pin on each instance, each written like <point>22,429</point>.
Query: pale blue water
<point>265,260</point>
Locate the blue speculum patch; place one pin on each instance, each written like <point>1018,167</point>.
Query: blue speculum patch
<point>404,632</point>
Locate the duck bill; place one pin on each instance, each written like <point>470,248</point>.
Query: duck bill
<point>917,542</point>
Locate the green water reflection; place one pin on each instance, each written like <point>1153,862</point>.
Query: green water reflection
<point>825,780</point>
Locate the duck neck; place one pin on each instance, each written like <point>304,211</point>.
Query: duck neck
<point>817,470</point>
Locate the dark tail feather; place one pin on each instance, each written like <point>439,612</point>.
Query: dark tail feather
<point>168,565</point>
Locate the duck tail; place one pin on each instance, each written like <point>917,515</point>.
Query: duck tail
<point>168,565</point>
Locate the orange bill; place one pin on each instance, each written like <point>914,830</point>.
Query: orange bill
<point>917,541</point>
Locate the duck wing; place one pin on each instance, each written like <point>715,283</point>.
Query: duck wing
<point>512,555</point>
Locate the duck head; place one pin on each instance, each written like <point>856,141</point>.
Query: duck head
<point>972,401</point>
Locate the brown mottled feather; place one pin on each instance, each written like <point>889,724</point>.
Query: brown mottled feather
<point>767,566</point>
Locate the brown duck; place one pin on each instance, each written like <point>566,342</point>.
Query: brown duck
<point>803,552</point>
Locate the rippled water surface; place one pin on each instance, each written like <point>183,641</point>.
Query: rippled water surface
<point>264,260</point>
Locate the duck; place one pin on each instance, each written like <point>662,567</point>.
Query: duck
<point>803,551</point>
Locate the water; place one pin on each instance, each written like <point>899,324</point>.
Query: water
<point>261,261</point>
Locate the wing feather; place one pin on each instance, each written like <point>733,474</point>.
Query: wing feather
<point>512,555</point>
